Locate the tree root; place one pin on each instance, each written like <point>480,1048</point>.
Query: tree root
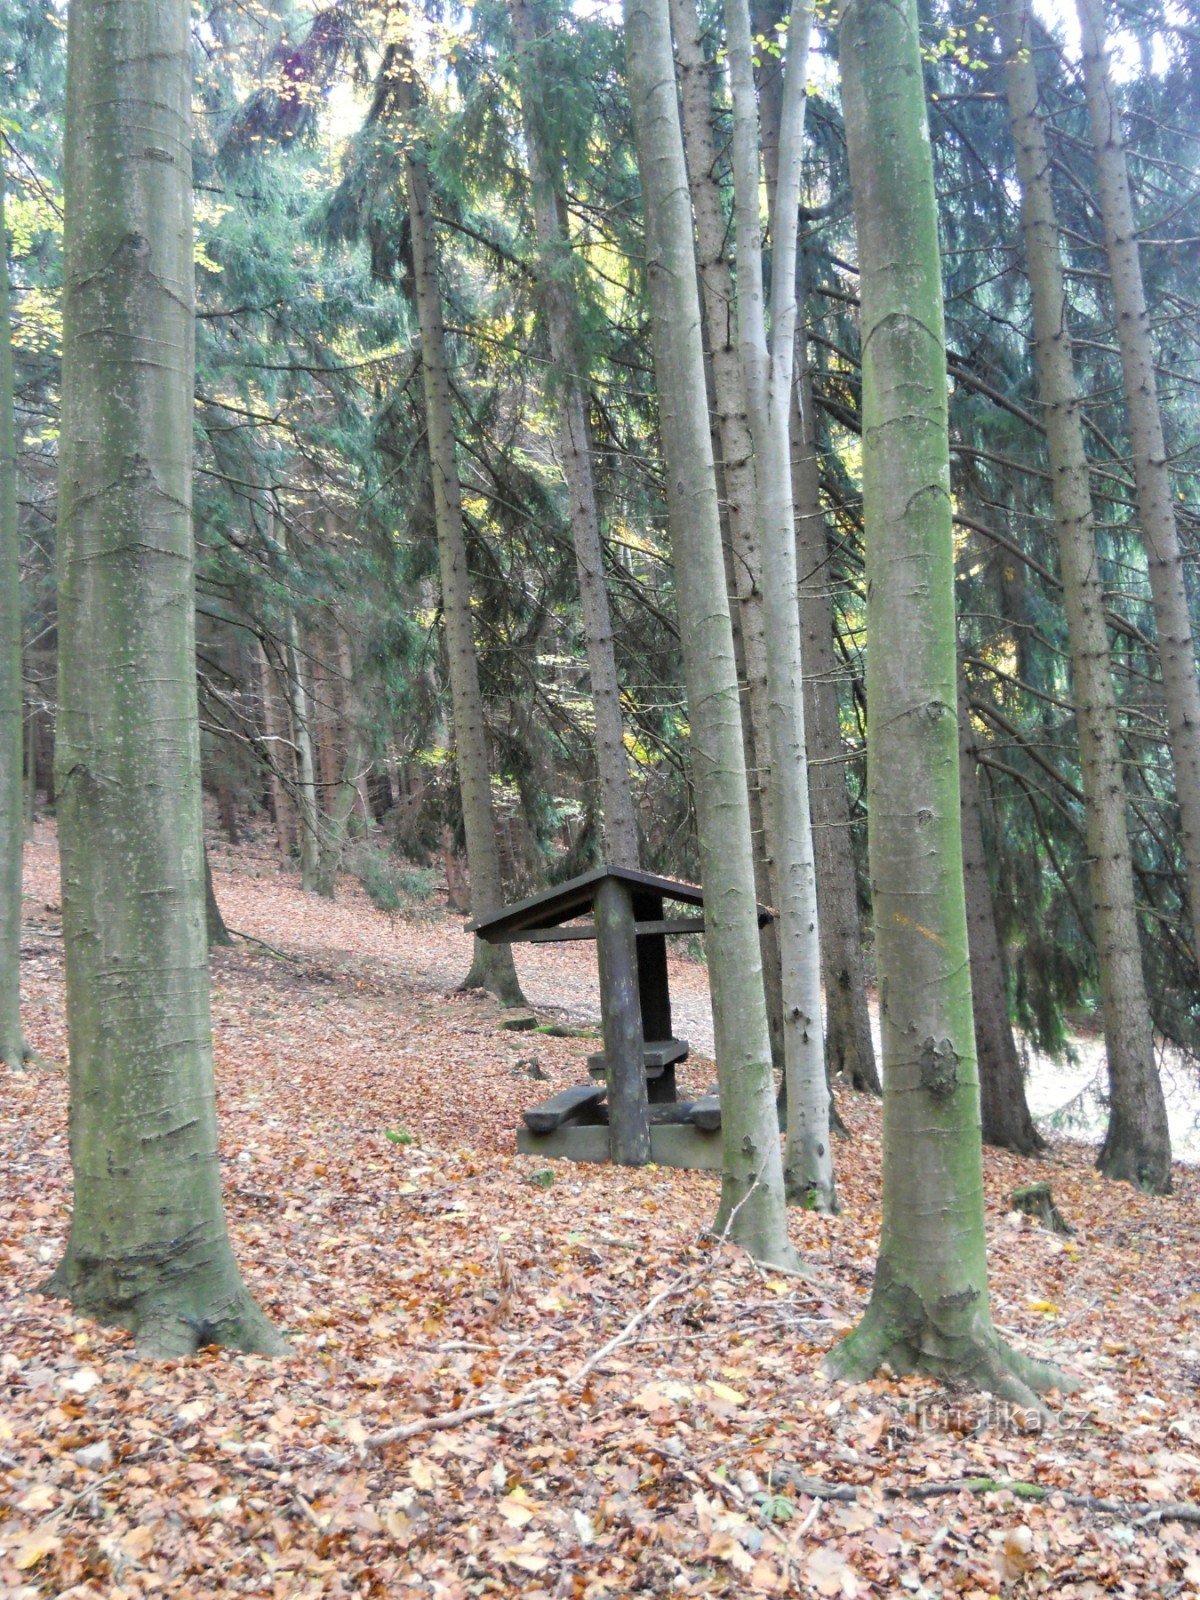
<point>492,969</point>
<point>1127,1159</point>
<point>164,1329</point>
<point>953,1340</point>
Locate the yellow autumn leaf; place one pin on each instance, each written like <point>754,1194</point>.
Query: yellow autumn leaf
<point>516,1509</point>
<point>36,1548</point>
<point>724,1392</point>
<point>1047,1307</point>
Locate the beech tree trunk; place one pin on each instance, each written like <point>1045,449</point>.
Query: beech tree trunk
<point>1152,477</point>
<point>492,966</point>
<point>1137,1145</point>
<point>555,277</point>
<point>735,472</point>
<point>849,1046</point>
<point>148,1249</point>
<point>12,794</point>
<point>1006,1118</point>
<point>766,372</point>
<point>929,1309</point>
<point>753,1205</point>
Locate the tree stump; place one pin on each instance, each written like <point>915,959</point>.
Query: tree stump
<point>1035,1200</point>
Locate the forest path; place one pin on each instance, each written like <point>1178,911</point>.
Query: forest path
<point>423,1272</point>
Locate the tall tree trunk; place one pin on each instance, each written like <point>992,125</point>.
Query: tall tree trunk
<point>753,1205</point>
<point>214,922</point>
<point>929,1309</point>
<point>1137,1145</point>
<point>766,371</point>
<point>324,725</point>
<point>12,796</point>
<point>492,966</point>
<point>1156,508</point>
<point>281,811</point>
<point>300,706</point>
<point>735,464</point>
<point>1006,1118</point>
<point>575,445</point>
<point>353,728</point>
<point>849,1045</point>
<point>345,796</point>
<point>31,766</point>
<point>148,1249</point>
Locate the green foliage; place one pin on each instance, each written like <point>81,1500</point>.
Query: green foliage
<point>391,885</point>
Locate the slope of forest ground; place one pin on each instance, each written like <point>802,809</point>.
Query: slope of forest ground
<point>432,1272</point>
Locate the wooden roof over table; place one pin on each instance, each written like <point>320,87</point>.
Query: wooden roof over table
<point>566,901</point>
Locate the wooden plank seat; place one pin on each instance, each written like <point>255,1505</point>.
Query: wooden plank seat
<point>706,1112</point>
<point>657,1056</point>
<point>565,1106</point>
<point>584,1103</point>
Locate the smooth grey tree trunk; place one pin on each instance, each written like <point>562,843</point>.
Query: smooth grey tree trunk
<point>1152,476</point>
<point>12,795</point>
<point>735,462</point>
<point>849,1045</point>
<point>555,278</point>
<point>753,1205</point>
<point>1137,1145</point>
<point>766,362</point>
<point>148,1248</point>
<point>929,1309</point>
<point>1006,1118</point>
<point>492,966</point>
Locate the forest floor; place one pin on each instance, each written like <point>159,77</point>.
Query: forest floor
<point>704,1454</point>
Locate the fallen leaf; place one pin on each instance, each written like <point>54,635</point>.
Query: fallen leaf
<point>36,1548</point>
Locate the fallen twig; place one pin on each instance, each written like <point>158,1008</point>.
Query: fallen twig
<point>541,1388</point>
<point>452,1419</point>
<point>1143,1512</point>
<point>785,1478</point>
<point>281,955</point>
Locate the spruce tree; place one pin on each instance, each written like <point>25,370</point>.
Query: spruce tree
<point>1137,1144</point>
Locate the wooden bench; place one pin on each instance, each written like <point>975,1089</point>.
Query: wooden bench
<point>657,1056</point>
<point>566,1106</point>
<point>584,1103</point>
